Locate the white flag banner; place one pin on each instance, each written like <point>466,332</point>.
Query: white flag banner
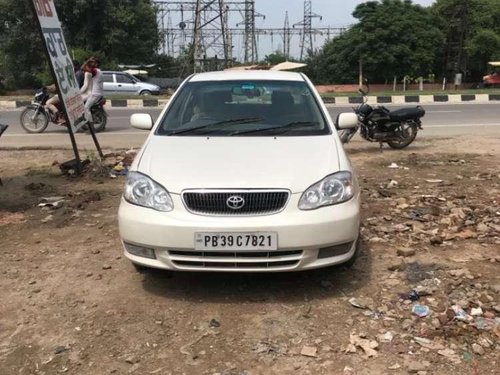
<point>60,60</point>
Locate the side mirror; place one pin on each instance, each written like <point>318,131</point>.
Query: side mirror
<point>346,120</point>
<point>142,121</point>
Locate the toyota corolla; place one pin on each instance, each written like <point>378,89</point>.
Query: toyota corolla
<point>243,171</point>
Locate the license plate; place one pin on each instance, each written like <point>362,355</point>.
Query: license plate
<point>236,241</point>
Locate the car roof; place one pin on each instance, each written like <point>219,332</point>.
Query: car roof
<point>247,74</point>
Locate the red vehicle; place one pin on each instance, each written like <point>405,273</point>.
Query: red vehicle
<point>493,79</point>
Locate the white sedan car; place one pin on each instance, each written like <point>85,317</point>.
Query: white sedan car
<point>242,172</point>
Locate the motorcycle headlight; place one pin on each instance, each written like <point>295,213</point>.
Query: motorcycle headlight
<point>333,189</point>
<point>143,191</point>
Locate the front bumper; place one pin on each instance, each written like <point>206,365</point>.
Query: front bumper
<point>303,237</point>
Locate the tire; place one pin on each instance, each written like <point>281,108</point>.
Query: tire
<point>145,93</point>
<point>350,262</point>
<point>410,131</point>
<point>100,120</point>
<point>36,125</point>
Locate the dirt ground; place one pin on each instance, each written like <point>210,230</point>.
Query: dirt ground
<point>71,303</point>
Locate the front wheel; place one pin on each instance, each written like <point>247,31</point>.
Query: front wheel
<point>34,119</point>
<point>406,133</point>
<point>145,92</point>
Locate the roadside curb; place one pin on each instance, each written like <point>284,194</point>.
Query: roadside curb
<point>340,100</point>
<point>415,99</point>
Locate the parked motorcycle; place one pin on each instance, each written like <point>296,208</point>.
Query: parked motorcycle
<point>378,124</point>
<point>36,117</point>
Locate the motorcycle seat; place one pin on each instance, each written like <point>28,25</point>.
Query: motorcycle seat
<point>99,102</point>
<point>407,114</point>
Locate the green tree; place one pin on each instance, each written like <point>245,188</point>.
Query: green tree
<point>116,31</point>
<point>392,37</point>
<point>122,31</point>
<point>472,29</point>
<point>274,58</point>
<point>21,54</point>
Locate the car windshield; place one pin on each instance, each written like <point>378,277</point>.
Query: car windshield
<point>244,108</point>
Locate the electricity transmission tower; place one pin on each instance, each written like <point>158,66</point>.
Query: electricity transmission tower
<point>287,37</point>
<point>251,55</point>
<point>210,31</point>
<point>202,28</point>
<point>306,43</point>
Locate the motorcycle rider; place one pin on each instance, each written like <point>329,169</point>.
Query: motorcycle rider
<point>53,103</point>
<point>79,74</point>
<point>97,83</point>
<point>87,86</point>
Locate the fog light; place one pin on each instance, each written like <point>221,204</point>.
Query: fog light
<point>333,251</point>
<point>140,251</point>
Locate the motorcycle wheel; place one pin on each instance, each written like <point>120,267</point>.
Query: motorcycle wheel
<point>409,131</point>
<point>100,120</point>
<point>34,119</point>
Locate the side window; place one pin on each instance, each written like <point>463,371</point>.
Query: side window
<point>120,78</point>
<point>108,78</point>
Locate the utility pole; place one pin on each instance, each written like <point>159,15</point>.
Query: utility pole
<point>287,36</point>
<point>228,43</point>
<point>197,40</point>
<point>306,43</point>
<point>170,37</point>
<point>458,28</point>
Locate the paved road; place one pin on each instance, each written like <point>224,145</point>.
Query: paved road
<point>440,120</point>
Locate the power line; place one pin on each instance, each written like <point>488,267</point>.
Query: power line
<point>205,24</point>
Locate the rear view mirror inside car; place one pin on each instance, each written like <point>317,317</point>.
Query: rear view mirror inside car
<point>247,89</point>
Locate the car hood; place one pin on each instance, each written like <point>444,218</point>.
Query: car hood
<point>184,162</point>
<point>151,85</point>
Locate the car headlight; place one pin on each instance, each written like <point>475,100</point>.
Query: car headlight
<point>333,189</point>
<point>143,191</point>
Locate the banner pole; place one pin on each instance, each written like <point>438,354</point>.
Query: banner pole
<point>96,142</point>
<point>61,68</point>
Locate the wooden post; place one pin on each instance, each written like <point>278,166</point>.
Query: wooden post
<point>394,84</point>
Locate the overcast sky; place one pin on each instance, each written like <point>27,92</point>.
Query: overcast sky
<point>335,13</point>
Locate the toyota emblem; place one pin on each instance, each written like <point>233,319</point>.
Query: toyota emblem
<point>235,202</point>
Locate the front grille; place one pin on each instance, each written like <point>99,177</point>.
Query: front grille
<point>235,260</point>
<point>256,202</point>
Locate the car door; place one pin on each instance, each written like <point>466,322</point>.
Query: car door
<point>109,84</point>
<point>125,84</point>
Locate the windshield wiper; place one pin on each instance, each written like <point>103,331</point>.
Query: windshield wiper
<point>225,122</point>
<point>285,127</point>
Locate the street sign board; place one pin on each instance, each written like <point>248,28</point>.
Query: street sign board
<point>60,61</point>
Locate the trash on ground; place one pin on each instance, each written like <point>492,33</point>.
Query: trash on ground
<point>411,295</point>
<point>420,310</point>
